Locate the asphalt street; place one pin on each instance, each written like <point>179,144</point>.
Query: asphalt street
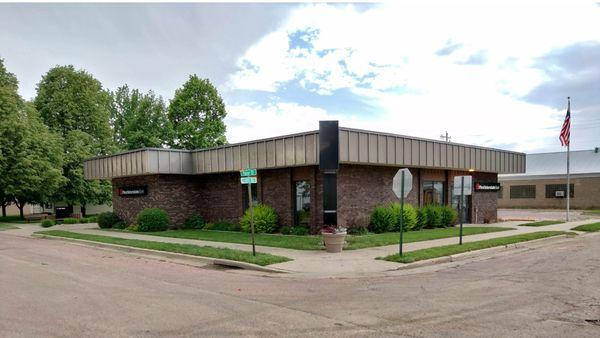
<point>54,288</point>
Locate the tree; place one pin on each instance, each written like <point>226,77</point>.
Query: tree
<point>74,104</point>
<point>196,114</point>
<point>10,104</point>
<point>69,99</point>
<point>34,158</point>
<point>138,120</point>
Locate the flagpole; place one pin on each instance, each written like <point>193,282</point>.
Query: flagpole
<point>568,160</point>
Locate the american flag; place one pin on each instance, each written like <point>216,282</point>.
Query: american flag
<point>565,132</point>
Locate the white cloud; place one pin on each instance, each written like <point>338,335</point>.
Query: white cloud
<point>387,56</point>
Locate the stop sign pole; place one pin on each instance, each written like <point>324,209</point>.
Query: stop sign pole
<point>401,185</point>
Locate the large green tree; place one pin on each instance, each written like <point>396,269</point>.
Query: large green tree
<point>34,170</point>
<point>74,104</point>
<point>10,104</point>
<point>196,114</point>
<point>30,154</point>
<point>138,120</point>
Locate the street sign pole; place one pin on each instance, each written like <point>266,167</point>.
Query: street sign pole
<point>251,218</point>
<point>460,206</point>
<point>401,213</point>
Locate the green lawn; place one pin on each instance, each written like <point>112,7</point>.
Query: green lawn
<point>453,249</point>
<point>592,212</point>
<point>314,242</point>
<point>206,251</point>
<point>15,219</point>
<point>7,227</point>
<point>593,227</point>
<point>541,223</point>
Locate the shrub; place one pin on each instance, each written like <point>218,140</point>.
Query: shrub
<point>300,231</point>
<point>285,230</point>
<point>84,220</point>
<point>422,219</point>
<point>265,219</point>
<point>120,225</point>
<point>152,219</point>
<point>47,223</point>
<point>194,222</point>
<point>409,217</point>
<point>449,216</point>
<point>70,220</point>
<point>92,219</point>
<point>222,225</point>
<point>433,215</point>
<point>358,231</point>
<point>107,220</point>
<point>382,219</point>
<point>132,227</point>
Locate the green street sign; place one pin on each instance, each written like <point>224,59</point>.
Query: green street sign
<point>248,172</point>
<point>248,180</point>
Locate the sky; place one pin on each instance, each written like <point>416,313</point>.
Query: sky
<point>490,75</point>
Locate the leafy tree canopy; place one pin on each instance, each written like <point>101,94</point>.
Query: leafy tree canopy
<point>69,99</point>
<point>138,120</point>
<point>196,114</point>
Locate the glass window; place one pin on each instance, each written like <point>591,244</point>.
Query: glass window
<point>559,190</point>
<point>245,195</point>
<point>522,191</point>
<point>302,203</point>
<point>500,193</point>
<point>433,192</point>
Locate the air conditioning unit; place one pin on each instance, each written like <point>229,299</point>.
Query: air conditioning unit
<point>559,193</point>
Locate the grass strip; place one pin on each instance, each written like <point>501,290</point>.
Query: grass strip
<point>189,249</point>
<point>315,242</point>
<point>541,223</point>
<point>447,250</point>
<point>592,212</point>
<point>592,227</point>
<point>7,227</point>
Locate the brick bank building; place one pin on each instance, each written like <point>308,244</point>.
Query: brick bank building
<point>330,175</point>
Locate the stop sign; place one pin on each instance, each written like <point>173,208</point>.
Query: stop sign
<point>399,181</point>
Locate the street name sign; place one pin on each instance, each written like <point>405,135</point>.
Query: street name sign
<point>248,180</point>
<point>248,172</point>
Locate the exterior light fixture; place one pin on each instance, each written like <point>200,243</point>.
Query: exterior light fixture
<point>471,170</point>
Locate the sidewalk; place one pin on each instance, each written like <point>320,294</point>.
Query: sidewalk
<point>312,262</point>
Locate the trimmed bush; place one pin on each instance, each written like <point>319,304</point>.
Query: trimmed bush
<point>70,220</point>
<point>387,218</point>
<point>84,220</point>
<point>422,219</point>
<point>107,219</point>
<point>449,216</point>
<point>194,222</point>
<point>152,219</point>
<point>286,230</point>
<point>409,217</point>
<point>92,219</point>
<point>47,223</point>
<point>265,219</point>
<point>382,219</point>
<point>300,231</point>
<point>132,227</point>
<point>120,225</point>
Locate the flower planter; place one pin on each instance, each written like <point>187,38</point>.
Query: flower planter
<point>334,242</point>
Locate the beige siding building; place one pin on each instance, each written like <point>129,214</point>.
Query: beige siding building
<point>543,185</point>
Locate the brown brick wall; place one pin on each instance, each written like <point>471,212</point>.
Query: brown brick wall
<point>276,191</point>
<point>361,188</point>
<point>174,193</point>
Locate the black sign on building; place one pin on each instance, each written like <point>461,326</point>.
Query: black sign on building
<point>133,191</point>
<point>329,162</point>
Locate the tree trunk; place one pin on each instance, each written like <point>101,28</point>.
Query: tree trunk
<point>21,211</point>
<point>83,210</point>
<point>3,210</point>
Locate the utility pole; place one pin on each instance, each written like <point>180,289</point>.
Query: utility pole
<point>445,137</point>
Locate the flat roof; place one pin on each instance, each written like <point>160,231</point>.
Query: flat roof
<point>356,146</point>
<point>554,164</point>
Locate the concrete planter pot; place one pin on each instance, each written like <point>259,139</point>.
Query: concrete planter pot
<point>334,242</point>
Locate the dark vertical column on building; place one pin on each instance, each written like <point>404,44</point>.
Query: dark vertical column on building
<point>329,162</point>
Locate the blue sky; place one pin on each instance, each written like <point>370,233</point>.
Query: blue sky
<point>495,75</point>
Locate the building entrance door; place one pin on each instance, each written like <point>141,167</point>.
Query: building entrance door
<point>466,205</point>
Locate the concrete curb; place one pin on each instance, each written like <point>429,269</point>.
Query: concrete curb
<point>166,254</point>
<point>478,253</point>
